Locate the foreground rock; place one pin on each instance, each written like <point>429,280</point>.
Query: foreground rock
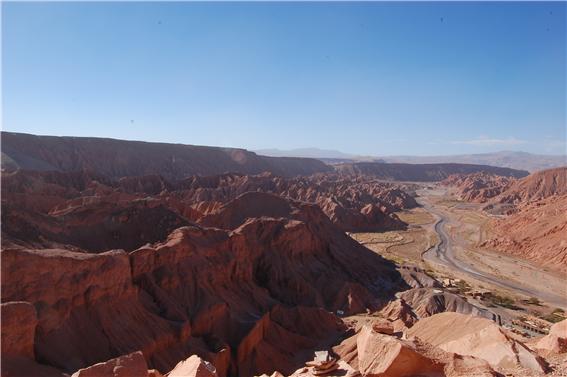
<point>193,367</point>
<point>18,329</point>
<point>400,314</point>
<point>383,355</point>
<point>477,337</point>
<point>132,365</point>
<point>19,322</point>
<point>371,353</point>
<point>283,329</point>
<point>339,369</point>
<point>556,341</point>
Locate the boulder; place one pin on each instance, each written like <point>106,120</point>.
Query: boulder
<point>478,337</point>
<point>193,367</point>
<point>400,313</point>
<point>555,341</point>
<point>383,355</point>
<point>382,326</point>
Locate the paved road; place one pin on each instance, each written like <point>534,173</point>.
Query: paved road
<point>443,254</point>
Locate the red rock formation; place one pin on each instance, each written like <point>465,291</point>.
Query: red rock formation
<point>193,367</point>
<point>425,302</point>
<point>18,329</point>
<point>400,313</point>
<point>132,365</point>
<point>378,354</point>
<point>19,323</point>
<point>299,329</point>
<point>201,291</point>
<point>536,207</point>
<point>82,296</point>
<point>478,187</point>
<point>416,277</point>
<point>51,209</point>
<point>343,200</point>
<point>537,232</point>
<point>383,355</point>
<point>539,185</point>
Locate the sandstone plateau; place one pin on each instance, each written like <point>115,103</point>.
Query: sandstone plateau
<point>122,158</point>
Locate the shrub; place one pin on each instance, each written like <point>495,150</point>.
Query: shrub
<point>533,301</point>
<point>504,301</point>
<point>553,318</point>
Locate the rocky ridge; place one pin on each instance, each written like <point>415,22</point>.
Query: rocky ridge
<point>530,214</point>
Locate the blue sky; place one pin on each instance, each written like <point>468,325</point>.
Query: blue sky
<point>363,78</point>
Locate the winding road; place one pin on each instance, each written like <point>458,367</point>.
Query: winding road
<point>442,253</point>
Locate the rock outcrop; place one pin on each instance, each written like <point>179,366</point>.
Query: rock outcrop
<point>536,231</point>
<point>478,187</point>
<point>556,341</point>
<point>425,302</point>
<point>19,322</point>
<point>400,314</point>
<point>300,330</point>
<point>85,211</point>
<point>18,329</point>
<point>477,337</point>
<point>538,185</point>
<point>131,365</point>
<point>377,354</point>
<point>383,355</point>
<point>531,220</point>
<point>193,367</point>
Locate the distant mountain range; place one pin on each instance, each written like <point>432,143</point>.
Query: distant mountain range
<point>306,152</point>
<point>508,159</point>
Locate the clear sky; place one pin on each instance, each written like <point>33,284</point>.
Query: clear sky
<point>363,78</point>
